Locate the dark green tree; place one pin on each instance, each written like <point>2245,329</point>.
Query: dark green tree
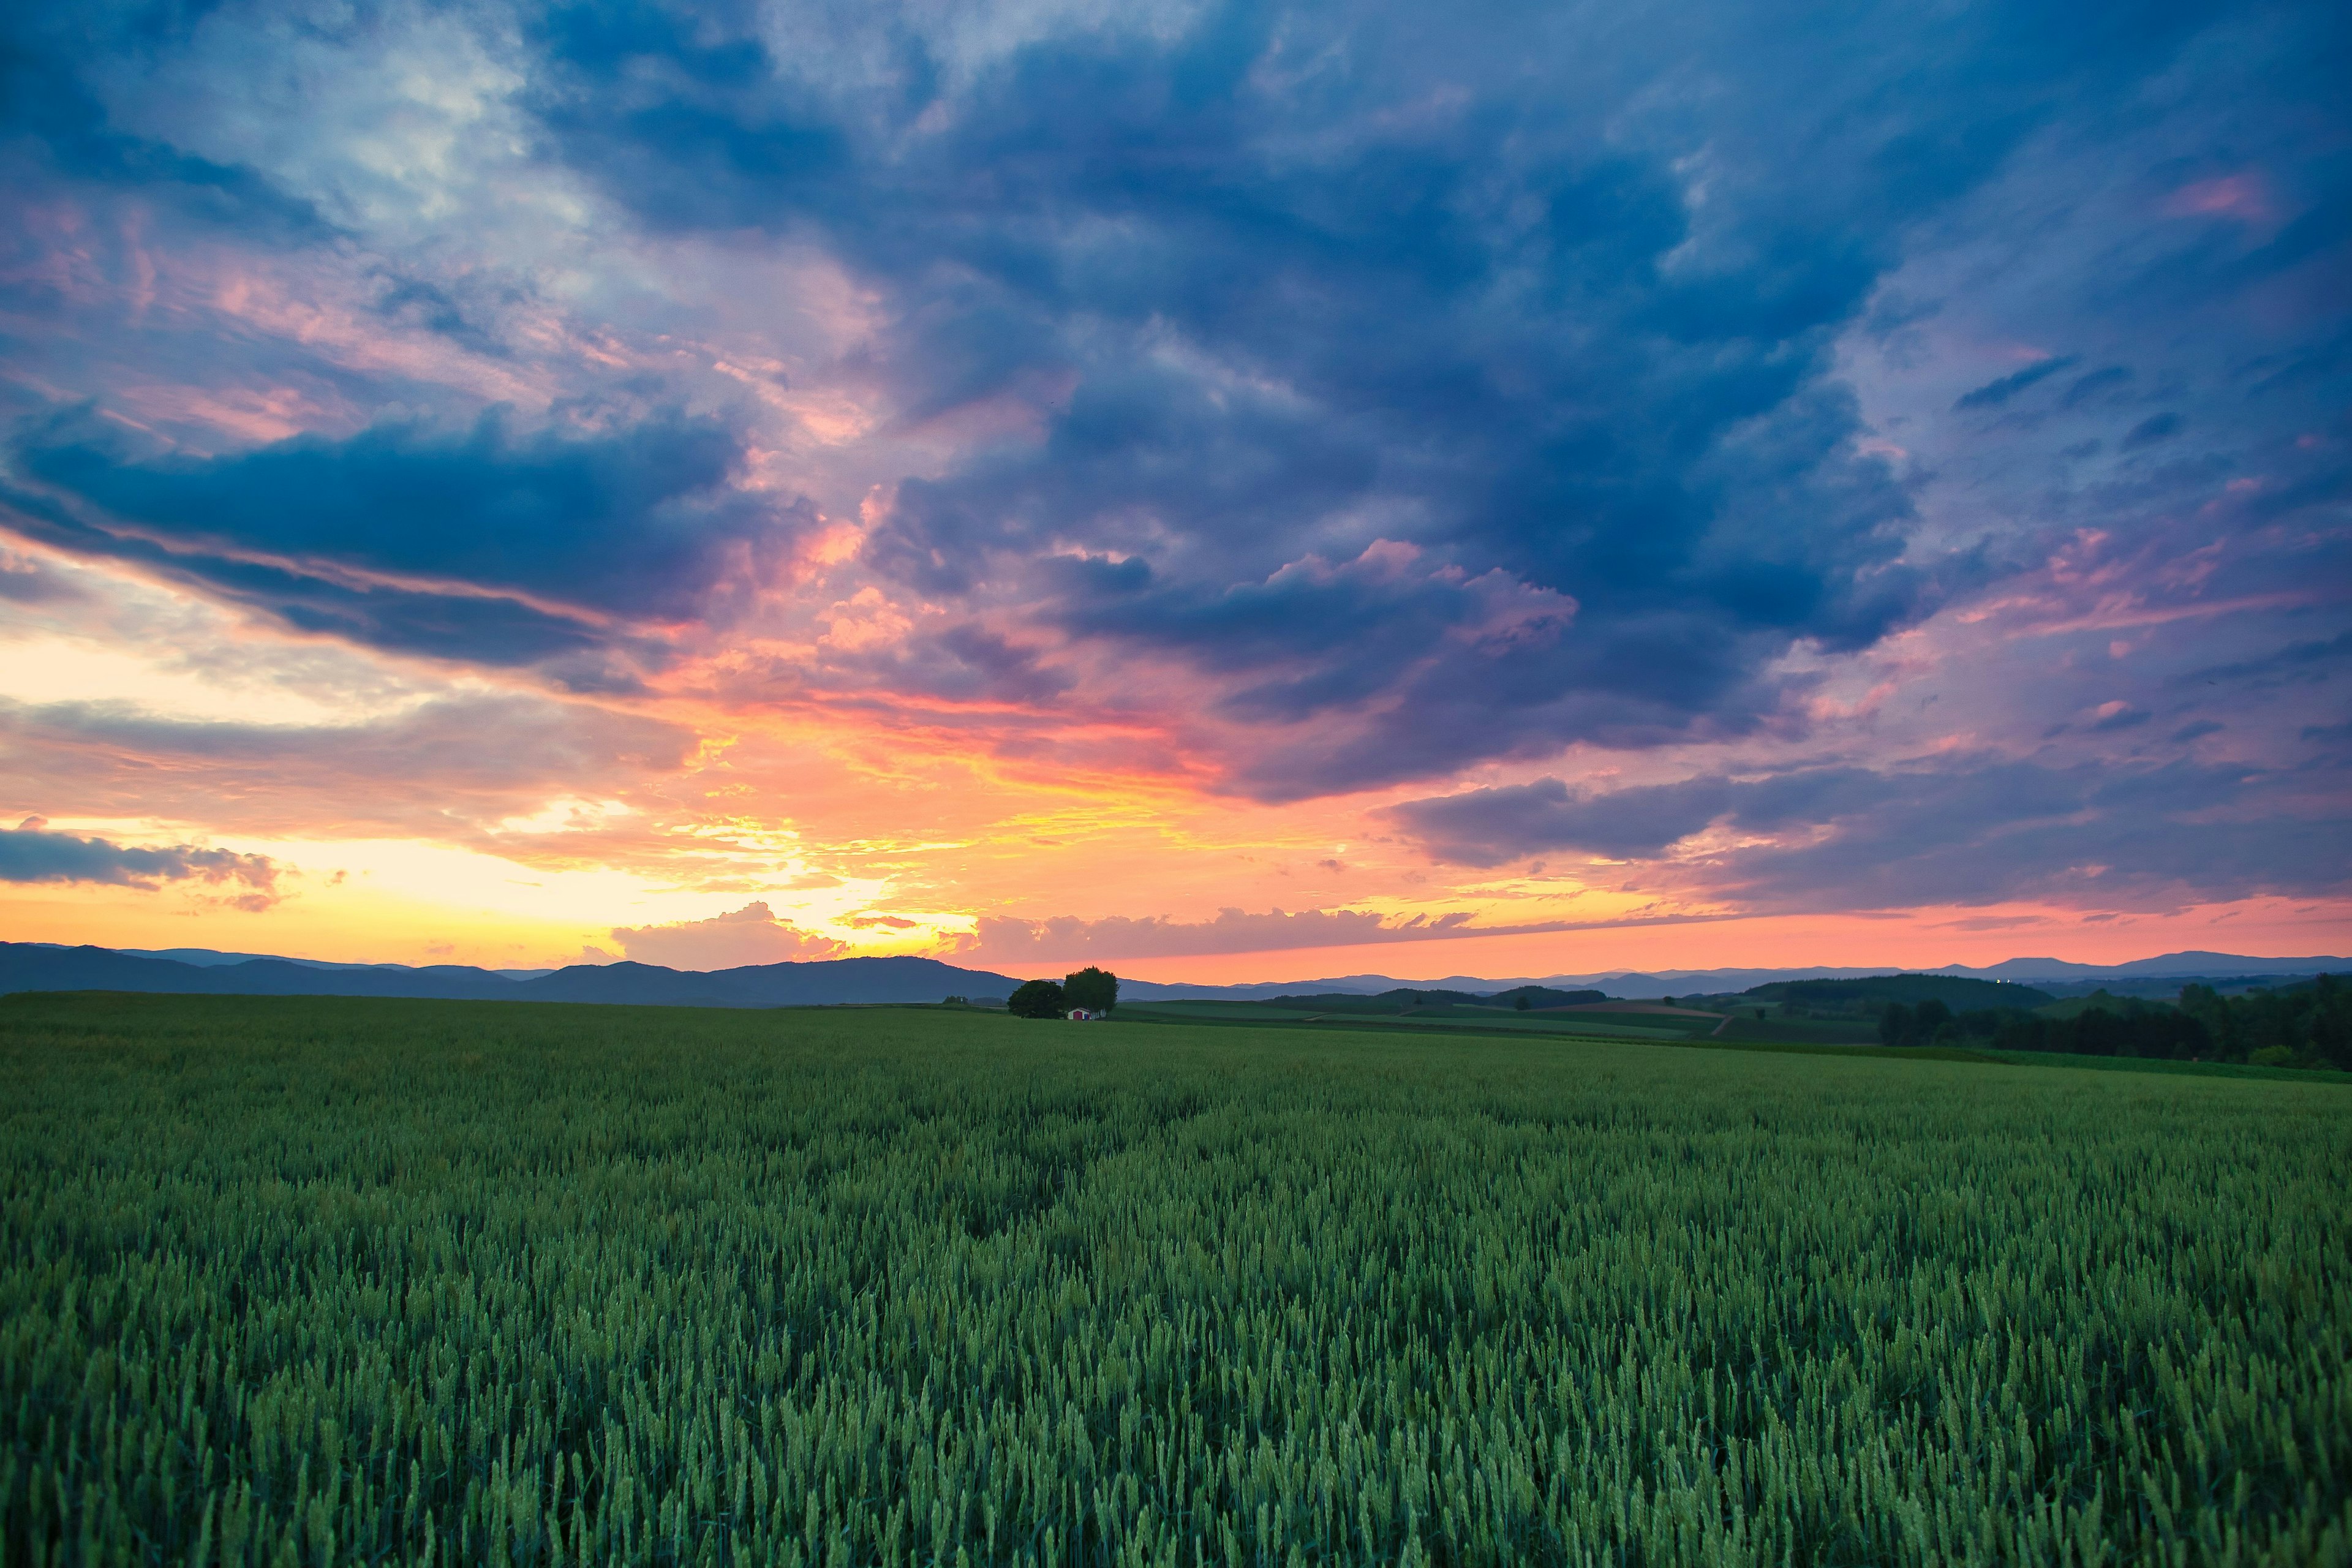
<point>1038,999</point>
<point>2330,1018</point>
<point>1522,1002</point>
<point>1895,1025</point>
<point>1096,990</point>
<point>2303,1025</point>
<point>1928,1021</point>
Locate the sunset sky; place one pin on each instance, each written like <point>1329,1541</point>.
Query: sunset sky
<point>1228,492</point>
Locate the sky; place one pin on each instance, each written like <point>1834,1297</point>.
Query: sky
<point>1223,491</point>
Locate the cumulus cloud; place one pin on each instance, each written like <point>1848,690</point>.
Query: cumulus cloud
<point>751,934</point>
<point>30,853</point>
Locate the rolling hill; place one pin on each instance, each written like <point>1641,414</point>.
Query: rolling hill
<point>34,966</point>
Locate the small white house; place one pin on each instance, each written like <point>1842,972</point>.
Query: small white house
<point>1080,1016</point>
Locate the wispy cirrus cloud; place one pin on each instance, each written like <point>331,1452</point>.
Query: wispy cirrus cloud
<point>463,762</point>
<point>1995,393</point>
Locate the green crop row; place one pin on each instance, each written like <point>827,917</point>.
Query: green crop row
<point>309,1281</point>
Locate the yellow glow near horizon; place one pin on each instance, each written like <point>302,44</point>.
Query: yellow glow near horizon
<point>411,885</point>
<point>886,847</point>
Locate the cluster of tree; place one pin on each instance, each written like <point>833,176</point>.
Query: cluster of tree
<point>1404,999</point>
<point>2303,1024</point>
<point>1869,995</point>
<point>2306,1026</point>
<point>1096,990</point>
<point>1525,998</point>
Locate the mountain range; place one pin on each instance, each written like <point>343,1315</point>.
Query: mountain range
<point>50,966</point>
<point>40,966</point>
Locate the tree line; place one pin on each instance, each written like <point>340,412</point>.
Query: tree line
<point>2306,1026</point>
<point>1094,989</point>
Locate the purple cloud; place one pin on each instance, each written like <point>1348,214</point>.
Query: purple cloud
<point>1354,400</point>
<point>1961,830</point>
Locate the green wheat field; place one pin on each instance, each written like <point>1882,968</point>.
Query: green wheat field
<point>291,1280</point>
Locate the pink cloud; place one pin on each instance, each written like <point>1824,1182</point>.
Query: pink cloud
<point>751,934</point>
<point>2240,196</point>
<point>1002,940</point>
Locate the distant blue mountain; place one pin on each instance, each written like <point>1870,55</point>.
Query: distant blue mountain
<point>40,966</point>
<point>2187,964</point>
<point>46,966</point>
<point>207,957</point>
<point>1651,983</point>
<point>212,957</point>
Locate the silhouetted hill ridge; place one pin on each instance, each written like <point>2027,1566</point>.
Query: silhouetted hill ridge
<point>39,967</point>
<point>49,966</point>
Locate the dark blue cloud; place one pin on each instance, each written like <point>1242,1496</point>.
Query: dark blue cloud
<point>1993,393</point>
<point>1977,829</point>
<point>47,107</point>
<point>1177,318</point>
<point>1489,827</point>
<point>437,308</point>
<point>30,853</point>
<point>2083,388</point>
<point>681,112</point>
<point>559,532</point>
<point>962,663</point>
<point>1422,293</point>
<point>2302,662</point>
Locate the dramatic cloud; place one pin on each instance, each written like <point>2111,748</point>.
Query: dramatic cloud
<point>487,544</point>
<point>29,853</point>
<point>885,437</point>
<point>751,934</point>
<point>1231,312</point>
<point>1974,830</point>
<point>46,102</point>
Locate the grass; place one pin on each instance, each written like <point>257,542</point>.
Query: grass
<point>322,1280</point>
<point>1211,1012</point>
<point>1800,1031</point>
<point>2320,1077</point>
<point>1444,1020</point>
